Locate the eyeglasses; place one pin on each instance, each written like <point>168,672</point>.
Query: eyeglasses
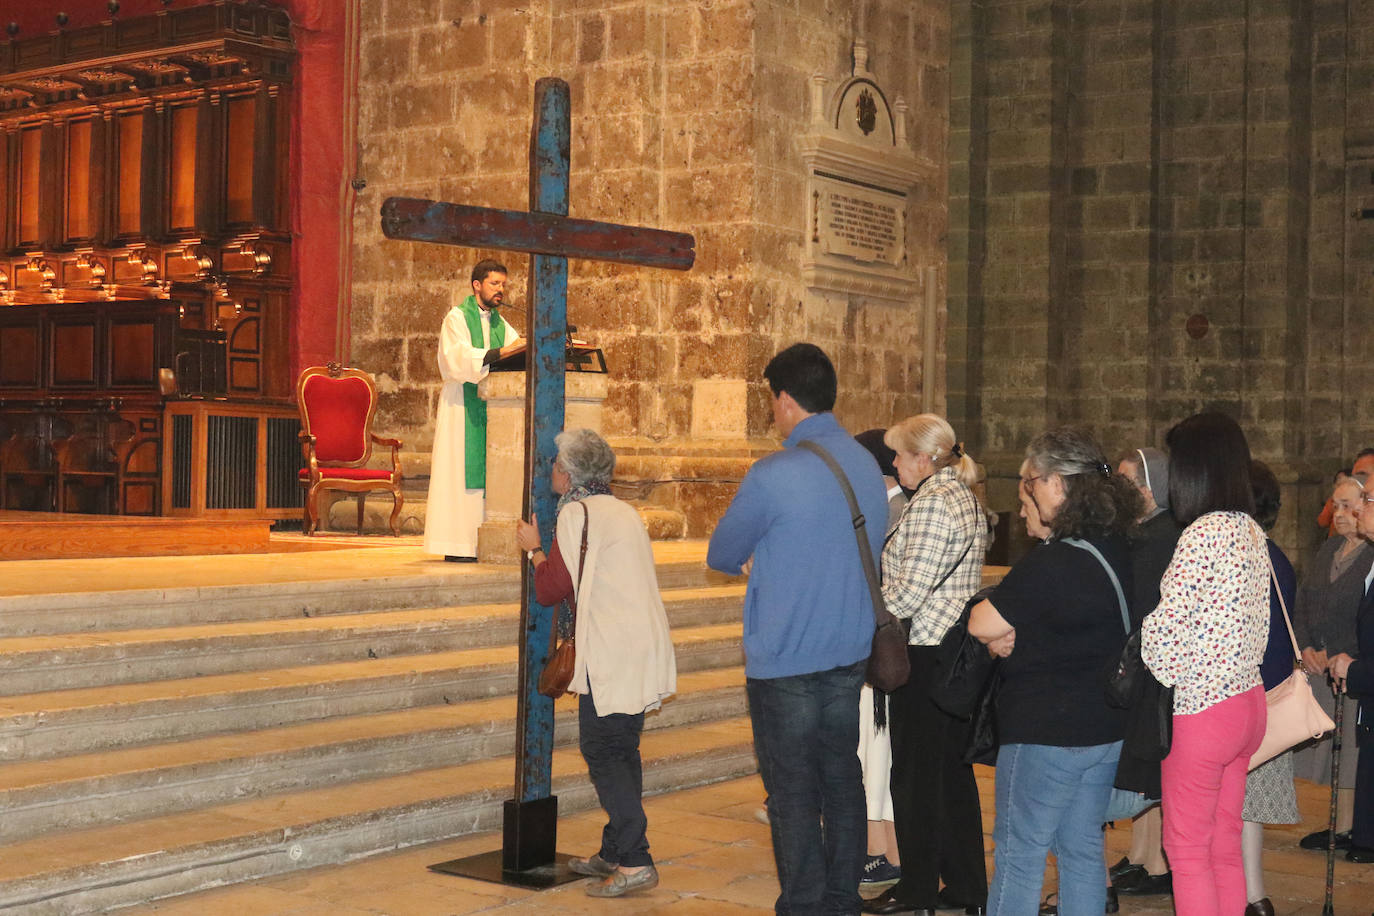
<point>1027,481</point>
<point>1367,498</point>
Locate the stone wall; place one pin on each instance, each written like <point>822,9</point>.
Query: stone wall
<point>685,117</point>
<point>1151,216</point>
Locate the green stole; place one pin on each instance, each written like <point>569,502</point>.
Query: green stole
<point>474,408</point>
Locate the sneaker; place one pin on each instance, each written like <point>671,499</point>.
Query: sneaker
<point>618,884</point>
<point>878,870</point>
<point>593,866</point>
<point>761,814</point>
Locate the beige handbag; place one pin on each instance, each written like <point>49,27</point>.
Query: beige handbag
<point>1294,716</point>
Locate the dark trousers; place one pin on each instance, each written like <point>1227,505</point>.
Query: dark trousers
<point>934,796</point>
<point>1362,828</point>
<point>806,737</point>
<point>610,745</point>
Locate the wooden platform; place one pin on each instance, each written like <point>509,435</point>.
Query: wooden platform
<point>54,536</point>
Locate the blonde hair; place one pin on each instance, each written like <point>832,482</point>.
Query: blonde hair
<point>928,434</point>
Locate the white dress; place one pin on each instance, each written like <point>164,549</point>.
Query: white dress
<point>453,513</point>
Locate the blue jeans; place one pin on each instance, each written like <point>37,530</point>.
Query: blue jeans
<point>1051,799</point>
<point>806,737</point>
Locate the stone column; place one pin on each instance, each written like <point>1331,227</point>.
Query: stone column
<point>504,393</point>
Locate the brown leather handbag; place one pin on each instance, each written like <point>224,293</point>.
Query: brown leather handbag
<point>558,670</point>
<point>889,666</point>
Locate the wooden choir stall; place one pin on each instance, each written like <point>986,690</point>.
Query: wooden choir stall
<point>145,267</point>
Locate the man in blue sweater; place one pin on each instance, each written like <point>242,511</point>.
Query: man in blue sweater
<point>808,624</point>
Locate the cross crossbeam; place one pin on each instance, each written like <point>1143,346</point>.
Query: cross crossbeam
<point>417,220</point>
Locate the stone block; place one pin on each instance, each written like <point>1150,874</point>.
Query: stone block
<point>627,31</point>
<point>724,28</point>
<point>444,48</point>
<point>387,57</point>
<point>402,409</point>
<point>719,409</point>
<point>408,309</point>
<point>1127,177</point>
<point>420,106</point>
<point>1019,145</point>
<point>380,355</point>
<point>591,39</point>
<point>421,358</point>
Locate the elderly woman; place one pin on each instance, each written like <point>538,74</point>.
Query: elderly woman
<point>932,565</point>
<point>1206,639</point>
<point>625,665</point>
<point>1056,620</point>
<point>1324,620</point>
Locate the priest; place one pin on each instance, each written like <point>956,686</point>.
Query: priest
<point>473,336</point>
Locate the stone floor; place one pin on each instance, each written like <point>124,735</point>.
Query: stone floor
<point>714,858</point>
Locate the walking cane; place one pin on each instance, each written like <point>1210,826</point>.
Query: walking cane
<point>1327,908</point>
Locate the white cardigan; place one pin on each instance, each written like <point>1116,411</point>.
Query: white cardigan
<point>623,645</point>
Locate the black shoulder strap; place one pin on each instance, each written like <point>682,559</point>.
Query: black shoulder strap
<point>875,591</point>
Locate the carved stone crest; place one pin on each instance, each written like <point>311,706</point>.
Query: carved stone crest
<point>867,111</point>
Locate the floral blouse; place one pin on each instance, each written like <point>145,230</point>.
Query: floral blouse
<point>1207,636</point>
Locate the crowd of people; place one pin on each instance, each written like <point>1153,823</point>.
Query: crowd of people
<point>1168,548</point>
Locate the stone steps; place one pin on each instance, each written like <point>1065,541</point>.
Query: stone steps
<point>99,868</point>
<point>138,608</point>
<point>80,720</point>
<point>30,664</point>
<point>155,741</point>
<point>155,780</point>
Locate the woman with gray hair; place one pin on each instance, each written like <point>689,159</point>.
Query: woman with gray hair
<point>624,665</point>
<point>1056,620</point>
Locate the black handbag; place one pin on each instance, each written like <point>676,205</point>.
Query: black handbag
<point>983,740</point>
<point>962,665</point>
<point>889,666</point>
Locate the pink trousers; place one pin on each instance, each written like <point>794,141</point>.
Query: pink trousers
<point>1204,790</point>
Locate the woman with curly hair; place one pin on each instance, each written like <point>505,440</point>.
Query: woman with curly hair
<point>1056,620</point>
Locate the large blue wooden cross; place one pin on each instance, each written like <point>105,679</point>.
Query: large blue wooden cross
<point>551,236</point>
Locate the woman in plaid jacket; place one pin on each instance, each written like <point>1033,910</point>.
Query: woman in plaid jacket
<point>932,565</point>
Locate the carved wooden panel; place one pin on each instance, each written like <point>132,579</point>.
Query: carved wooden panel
<point>73,353</point>
<point>128,190</point>
<point>140,497</point>
<point>29,189</point>
<point>181,165</point>
<point>21,355</point>
<point>240,122</point>
<point>79,226</point>
<point>245,337</point>
<point>132,348</point>
<point>144,224</point>
<point>243,375</point>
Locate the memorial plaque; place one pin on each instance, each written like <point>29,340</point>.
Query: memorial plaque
<point>859,223</point>
<point>860,172</point>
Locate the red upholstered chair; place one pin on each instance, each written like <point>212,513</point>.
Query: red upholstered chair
<point>337,406</point>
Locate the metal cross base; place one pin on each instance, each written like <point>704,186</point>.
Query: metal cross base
<point>526,857</point>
